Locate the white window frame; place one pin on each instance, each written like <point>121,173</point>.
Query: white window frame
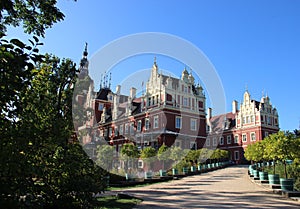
<point>244,137</point>
<point>139,126</point>
<point>251,136</point>
<point>140,163</point>
<point>131,128</point>
<point>236,139</point>
<point>126,128</point>
<point>221,140</point>
<point>178,126</point>
<point>207,142</point>
<point>121,130</point>
<point>116,130</point>
<point>193,124</point>
<point>147,124</point>
<point>185,101</point>
<point>228,139</point>
<point>215,141</point>
<point>155,121</point>
<point>100,106</point>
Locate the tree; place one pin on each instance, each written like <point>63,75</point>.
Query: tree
<point>105,156</point>
<point>163,154</point>
<point>129,153</point>
<point>35,16</point>
<point>286,149</point>
<point>148,154</point>
<point>37,161</point>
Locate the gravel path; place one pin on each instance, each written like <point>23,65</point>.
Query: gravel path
<point>225,188</point>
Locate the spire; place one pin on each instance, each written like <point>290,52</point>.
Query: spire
<point>84,63</point>
<point>85,53</point>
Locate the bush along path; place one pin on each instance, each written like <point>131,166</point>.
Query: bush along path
<point>275,162</point>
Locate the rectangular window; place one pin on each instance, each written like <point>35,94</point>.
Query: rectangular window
<point>116,131</point>
<point>177,143</point>
<point>236,155</point>
<point>193,145</point>
<point>229,139</point>
<point>185,102</point>
<point>252,118</point>
<point>109,132</point>
<point>139,126</point>
<point>121,129</point>
<point>252,135</point>
<point>147,124</point>
<point>193,124</point>
<point>178,122</point>
<point>244,120</point>
<point>221,140</point>
<point>207,142</point>
<point>266,133</point>
<point>132,128</point>
<point>100,106</point>
<point>236,139</point>
<point>140,164</point>
<point>244,138</point>
<point>126,128</point>
<point>247,119</point>
<point>214,141</point>
<point>155,121</point>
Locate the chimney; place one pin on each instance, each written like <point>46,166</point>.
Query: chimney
<point>118,89</point>
<point>234,106</point>
<point>209,113</point>
<point>132,92</point>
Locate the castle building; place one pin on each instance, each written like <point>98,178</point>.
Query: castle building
<point>171,111</point>
<point>252,122</point>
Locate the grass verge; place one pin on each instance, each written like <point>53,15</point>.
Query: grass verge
<point>115,202</point>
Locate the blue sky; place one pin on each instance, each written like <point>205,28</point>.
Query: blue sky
<point>250,43</point>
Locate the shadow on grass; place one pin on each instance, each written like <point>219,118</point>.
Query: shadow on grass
<point>116,202</point>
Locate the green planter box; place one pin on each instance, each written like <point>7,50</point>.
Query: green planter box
<point>162,173</point>
<point>263,176</point>
<point>148,175</point>
<point>129,176</point>
<point>185,170</point>
<point>287,184</point>
<point>255,173</point>
<point>175,171</point>
<point>273,179</point>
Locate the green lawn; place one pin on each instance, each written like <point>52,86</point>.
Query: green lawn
<point>113,202</point>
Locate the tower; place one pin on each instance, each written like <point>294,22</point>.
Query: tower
<point>84,64</point>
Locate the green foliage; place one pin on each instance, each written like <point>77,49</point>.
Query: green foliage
<point>129,150</point>
<point>129,153</point>
<point>163,153</point>
<point>105,156</point>
<point>34,15</point>
<point>36,160</point>
<point>148,152</point>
